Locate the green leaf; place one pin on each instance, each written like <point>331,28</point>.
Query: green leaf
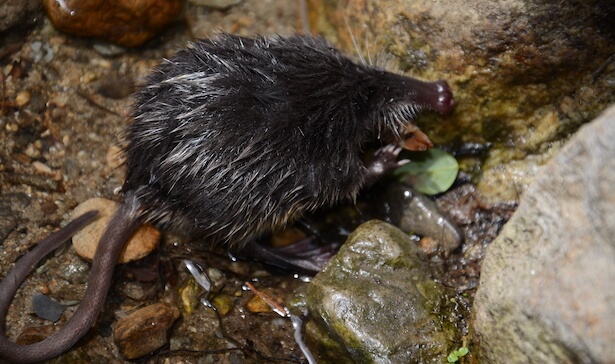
<point>430,172</point>
<point>452,358</point>
<point>462,351</point>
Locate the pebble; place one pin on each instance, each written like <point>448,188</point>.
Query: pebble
<point>415,213</point>
<point>22,98</point>
<point>223,303</point>
<point>239,268</point>
<point>59,100</point>
<point>88,77</point>
<point>216,4</point>
<point>429,245</point>
<point>42,167</point>
<point>41,52</point>
<point>116,86</point>
<point>189,296</point>
<point>22,158</point>
<point>31,151</point>
<point>34,334</point>
<point>257,305</point>
<point>142,243</point>
<point>108,49</point>
<point>144,330</point>
<point>46,308</point>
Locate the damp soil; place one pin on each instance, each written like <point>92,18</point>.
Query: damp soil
<point>63,108</point>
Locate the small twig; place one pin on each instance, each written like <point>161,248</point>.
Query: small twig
<point>276,307</point>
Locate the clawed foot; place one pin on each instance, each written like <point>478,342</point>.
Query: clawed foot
<point>304,256</point>
<point>383,161</point>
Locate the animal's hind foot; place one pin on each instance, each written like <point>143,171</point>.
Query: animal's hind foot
<point>305,256</point>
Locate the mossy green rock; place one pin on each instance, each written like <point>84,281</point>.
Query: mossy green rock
<point>374,302</point>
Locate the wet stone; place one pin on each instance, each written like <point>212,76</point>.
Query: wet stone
<point>257,305</point>
<point>223,303</point>
<point>144,330</point>
<point>375,302</point>
<point>46,308</point>
<point>416,213</point>
<point>76,273</point>
<point>34,334</point>
<point>123,22</point>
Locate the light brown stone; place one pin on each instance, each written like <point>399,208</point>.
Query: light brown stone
<point>142,242</point>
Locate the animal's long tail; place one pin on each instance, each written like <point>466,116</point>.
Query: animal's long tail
<point>121,226</point>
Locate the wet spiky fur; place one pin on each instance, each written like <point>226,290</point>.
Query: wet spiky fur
<point>237,136</point>
<point>234,137</point>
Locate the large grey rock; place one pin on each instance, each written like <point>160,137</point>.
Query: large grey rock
<point>547,290</point>
<point>374,302</point>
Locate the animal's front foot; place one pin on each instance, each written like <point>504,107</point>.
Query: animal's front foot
<point>383,161</point>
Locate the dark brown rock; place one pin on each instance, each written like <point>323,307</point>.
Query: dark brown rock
<point>144,330</point>
<point>127,23</point>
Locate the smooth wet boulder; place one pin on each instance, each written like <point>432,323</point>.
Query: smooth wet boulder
<point>375,302</point>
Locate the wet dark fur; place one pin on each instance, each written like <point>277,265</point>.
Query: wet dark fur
<point>234,137</point>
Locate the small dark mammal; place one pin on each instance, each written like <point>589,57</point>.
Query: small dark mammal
<point>234,137</point>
